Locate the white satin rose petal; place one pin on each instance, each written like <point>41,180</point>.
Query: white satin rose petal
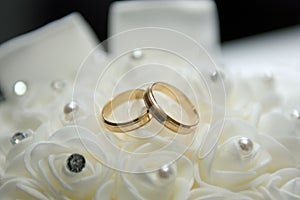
<point>10,153</point>
<point>218,193</point>
<point>276,124</point>
<point>283,185</point>
<point>22,188</point>
<point>248,91</point>
<point>284,129</point>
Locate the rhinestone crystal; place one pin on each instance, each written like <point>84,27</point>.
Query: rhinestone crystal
<point>20,88</point>
<point>164,176</point>
<point>246,145</point>
<point>18,137</point>
<point>75,163</point>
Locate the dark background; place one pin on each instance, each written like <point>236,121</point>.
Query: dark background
<point>237,18</point>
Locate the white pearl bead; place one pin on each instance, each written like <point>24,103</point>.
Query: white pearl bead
<point>165,172</point>
<point>20,88</point>
<point>246,145</point>
<point>165,175</point>
<point>70,110</point>
<point>137,54</point>
<point>71,107</point>
<point>295,114</point>
<point>214,76</point>
<point>217,75</point>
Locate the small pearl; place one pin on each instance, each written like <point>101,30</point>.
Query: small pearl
<point>20,88</point>
<point>58,85</point>
<point>71,107</point>
<point>217,75</point>
<point>295,114</point>
<point>246,145</point>
<point>214,76</point>
<point>165,173</point>
<point>18,137</point>
<point>164,176</point>
<point>76,163</point>
<point>137,54</point>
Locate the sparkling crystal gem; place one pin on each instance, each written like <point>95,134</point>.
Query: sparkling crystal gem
<point>246,145</point>
<point>18,137</point>
<point>137,54</point>
<point>71,107</point>
<point>20,88</point>
<point>76,163</point>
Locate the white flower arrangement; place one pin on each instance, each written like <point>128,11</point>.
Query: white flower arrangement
<point>255,156</point>
<point>52,146</point>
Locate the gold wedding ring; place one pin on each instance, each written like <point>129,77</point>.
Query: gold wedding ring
<point>131,125</point>
<point>161,116</point>
<point>153,109</point>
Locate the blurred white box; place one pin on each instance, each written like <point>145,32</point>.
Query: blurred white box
<point>196,19</point>
<point>50,53</point>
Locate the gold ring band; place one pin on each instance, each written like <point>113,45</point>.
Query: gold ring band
<point>117,101</point>
<point>162,117</point>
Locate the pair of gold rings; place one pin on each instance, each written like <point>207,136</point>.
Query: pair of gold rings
<point>153,109</point>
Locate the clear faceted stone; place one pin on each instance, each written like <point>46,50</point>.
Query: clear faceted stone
<point>76,163</point>
<point>18,137</point>
<point>246,145</point>
<point>20,88</point>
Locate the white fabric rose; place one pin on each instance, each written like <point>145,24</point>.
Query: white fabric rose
<point>284,121</point>
<point>46,163</point>
<point>229,166</point>
<point>251,95</point>
<point>150,171</point>
<point>22,188</point>
<point>219,193</point>
<point>14,141</point>
<point>284,126</point>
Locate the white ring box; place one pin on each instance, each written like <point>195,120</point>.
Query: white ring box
<point>196,19</point>
<point>50,53</point>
